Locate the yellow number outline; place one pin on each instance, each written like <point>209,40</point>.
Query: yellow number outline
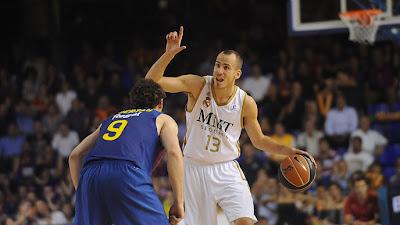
<point>215,143</point>
<point>117,130</point>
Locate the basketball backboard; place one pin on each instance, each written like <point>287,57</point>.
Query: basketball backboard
<point>307,17</point>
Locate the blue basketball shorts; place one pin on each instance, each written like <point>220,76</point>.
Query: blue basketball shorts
<point>117,192</point>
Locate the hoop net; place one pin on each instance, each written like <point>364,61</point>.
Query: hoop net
<point>362,24</point>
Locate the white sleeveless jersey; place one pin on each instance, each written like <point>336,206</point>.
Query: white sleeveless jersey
<point>213,131</point>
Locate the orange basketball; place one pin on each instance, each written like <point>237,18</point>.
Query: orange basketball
<point>297,172</point>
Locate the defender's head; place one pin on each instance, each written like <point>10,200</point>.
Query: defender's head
<point>147,94</point>
<point>227,68</point>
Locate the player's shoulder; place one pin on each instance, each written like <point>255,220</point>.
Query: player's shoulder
<point>165,118</point>
<point>249,106</point>
<point>248,100</point>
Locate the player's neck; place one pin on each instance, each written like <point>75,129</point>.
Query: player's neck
<point>222,96</point>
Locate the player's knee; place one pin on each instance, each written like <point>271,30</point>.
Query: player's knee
<point>244,221</point>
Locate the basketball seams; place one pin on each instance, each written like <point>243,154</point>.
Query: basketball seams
<point>298,174</point>
<point>286,178</point>
<point>311,173</point>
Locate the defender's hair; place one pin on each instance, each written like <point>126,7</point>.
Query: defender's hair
<point>146,94</point>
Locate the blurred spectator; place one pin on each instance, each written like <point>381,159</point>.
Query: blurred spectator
<point>52,119</point>
<point>11,144</point>
<point>45,216</point>
<point>65,140</point>
<point>41,100</point>
<point>24,117</point>
<point>321,203</point>
<point>311,113</point>
<point>113,89</point>
<point>293,109</point>
<point>91,92</point>
<point>287,206</point>
<point>64,98</point>
<point>325,97</point>
<point>266,205</point>
<point>5,113</point>
<point>336,204</point>
<point>282,82</point>
<point>271,105</point>
<point>373,142</point>
<point>30,84</point>
<point>257,83</point>
<point>327,157</point>
<point>305,76</point>
<point>375,176</point>
<point>309,138</point>
<point>250,163</point>
<point>104,108</point>
<point>281,136</point>
<point>26,214</point>
<point>340,122</point>
<point>340,174</point>
<point>79,118</point>
<point>361,205</point>
<point>357,159</point>
<point>394,195</point>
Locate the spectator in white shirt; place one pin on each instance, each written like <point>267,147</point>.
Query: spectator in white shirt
<point>64,98</point>
<point>65,140</point>
<point>340,122</point>
<point>373,142</point>
<point>357,158</point>
<point>308,139</point>
<point>257,84</point>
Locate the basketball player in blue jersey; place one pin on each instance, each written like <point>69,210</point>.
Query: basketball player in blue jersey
<point>216,112</point>
<point>114,185</point>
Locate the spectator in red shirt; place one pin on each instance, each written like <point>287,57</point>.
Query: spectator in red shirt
<point>361,206</point>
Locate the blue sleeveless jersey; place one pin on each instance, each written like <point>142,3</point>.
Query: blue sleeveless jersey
<point>128,135</point>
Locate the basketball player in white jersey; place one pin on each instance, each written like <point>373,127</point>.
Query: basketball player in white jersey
<point>216,112</point>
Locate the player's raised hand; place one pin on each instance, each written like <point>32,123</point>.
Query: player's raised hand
<point>174,42</point>
<point>176,214</point>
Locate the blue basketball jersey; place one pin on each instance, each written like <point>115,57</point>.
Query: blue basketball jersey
<point>128,135</point>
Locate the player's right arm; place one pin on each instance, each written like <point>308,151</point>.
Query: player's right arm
<point>189,83</point>
<point>76,156</point>
<point>257,138</point>
<point>169,137</point>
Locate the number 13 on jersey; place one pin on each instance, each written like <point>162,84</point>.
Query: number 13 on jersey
<point>215,144</point>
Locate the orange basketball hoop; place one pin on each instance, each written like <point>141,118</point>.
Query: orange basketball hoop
<point>362,24</point>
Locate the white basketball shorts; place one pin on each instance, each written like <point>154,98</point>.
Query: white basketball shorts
<point>209,185</point>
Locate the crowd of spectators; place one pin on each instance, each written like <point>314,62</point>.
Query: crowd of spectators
<point>338,101</point>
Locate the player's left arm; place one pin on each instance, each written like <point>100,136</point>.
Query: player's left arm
<point>76,156</point>
<point>258,139</point>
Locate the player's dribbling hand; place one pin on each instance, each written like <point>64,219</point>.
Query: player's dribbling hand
<point>297,151</point>
<point>174,42</point>
<point>176,214</point>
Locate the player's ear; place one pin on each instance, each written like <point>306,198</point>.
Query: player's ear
<point>238,74</point>
<point>160,105</point>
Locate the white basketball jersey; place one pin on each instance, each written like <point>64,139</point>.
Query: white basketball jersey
<point>213,131</point>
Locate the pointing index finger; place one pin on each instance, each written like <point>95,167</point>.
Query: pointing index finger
<point>180,32</point>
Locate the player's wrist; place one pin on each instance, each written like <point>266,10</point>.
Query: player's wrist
<point>288,151</point>
<point>170,54</point>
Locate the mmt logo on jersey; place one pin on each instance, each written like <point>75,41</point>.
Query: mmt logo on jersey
<point>212,120</point>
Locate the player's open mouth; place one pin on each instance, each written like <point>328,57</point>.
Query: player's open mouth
<point>219,79</point>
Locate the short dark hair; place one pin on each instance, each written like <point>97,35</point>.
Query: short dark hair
<point>146,94</point>
<point>239,58</point>
<point>358,176</point>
